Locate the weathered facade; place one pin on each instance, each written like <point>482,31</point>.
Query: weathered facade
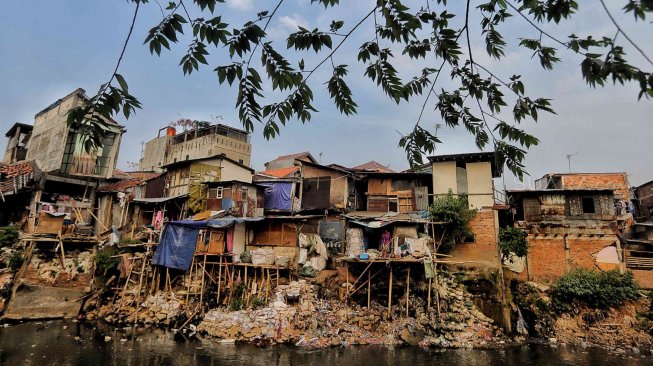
<point>58,149</point>
<point>196,144</point>
<point>567,228</point>
<point>398,192</point>
<point>239,199</point>
<point>618,182</point>
<point>472,174</point>
<point>644,199</point>
<point>188,178</point>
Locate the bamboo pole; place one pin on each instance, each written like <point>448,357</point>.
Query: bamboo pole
<point>219,280</point>
<point>389,292</point>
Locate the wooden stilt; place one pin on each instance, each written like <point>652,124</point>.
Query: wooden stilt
<point>369,288</point>
<point>277,276</point>
<point>219,280</point>
<point>428,298</point>
<point>202,287</point>
<point>390,293</point>
<point>63,256</point>
<point>407,290</point>
<point>190,279</point>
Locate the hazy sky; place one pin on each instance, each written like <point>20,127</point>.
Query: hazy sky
<point>49,48</point>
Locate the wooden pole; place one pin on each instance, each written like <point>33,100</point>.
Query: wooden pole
<point>369,288</point>
<point>428,300</point>
<point>407,290</point>
<point>389,292</point>
<point>202,287</point>
<point>219,280</point>
<point>63,255</point>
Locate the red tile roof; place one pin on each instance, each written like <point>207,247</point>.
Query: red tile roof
<point>17,176</point>
<point>120,185</point>
<point>281,173</point>
<point>16,169</point>
<point>373,166</point>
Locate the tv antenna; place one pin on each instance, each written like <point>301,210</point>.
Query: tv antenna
<point>569,156</point>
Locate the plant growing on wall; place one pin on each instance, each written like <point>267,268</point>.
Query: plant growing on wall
<point>455,212</point>
<point>8,236</point>
<point>512,241</point>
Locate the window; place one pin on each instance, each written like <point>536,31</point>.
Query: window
<point>215,193</point>
<point>588,205</point>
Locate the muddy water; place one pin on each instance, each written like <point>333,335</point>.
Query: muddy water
<point>54,343</point>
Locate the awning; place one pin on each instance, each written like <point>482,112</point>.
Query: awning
<point>159,199</point>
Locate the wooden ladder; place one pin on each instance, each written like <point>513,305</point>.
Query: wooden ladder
<point>134,282</point>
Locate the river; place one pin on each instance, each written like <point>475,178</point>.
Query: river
<point>70,343</point>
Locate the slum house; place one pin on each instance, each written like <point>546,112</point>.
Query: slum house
<point>196,144</point>
<point>312,189</point>
<point>567,228</point>
<point>120,203</point>
<point>186,180</point>
<point>59,237</point>
<point>472,174</point>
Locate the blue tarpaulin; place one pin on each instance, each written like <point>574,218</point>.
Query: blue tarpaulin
<point>178,243</point>
<point>278,196</point>
<point>179,240</point>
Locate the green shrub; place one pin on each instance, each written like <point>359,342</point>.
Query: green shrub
<point>513,240</point>
<point>8,236</point>
<point>599,290</point>
<point>454,210</point>
<point>106,260</point>
<point>15,261</point>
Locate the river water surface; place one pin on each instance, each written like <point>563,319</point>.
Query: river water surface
<point>55,343</point>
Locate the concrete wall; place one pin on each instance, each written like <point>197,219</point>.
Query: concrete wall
<point>154,154</point>
<point>480,187</point>
<point>444,177</point>
<point>207,146</point>
<point>46,146</point>
<point>231,171</point>
<point>48,141</point>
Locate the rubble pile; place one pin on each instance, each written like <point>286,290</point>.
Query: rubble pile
<point>296,316</point>
<point>160,308</point>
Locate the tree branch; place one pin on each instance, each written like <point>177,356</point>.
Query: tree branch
<point>624,33</point>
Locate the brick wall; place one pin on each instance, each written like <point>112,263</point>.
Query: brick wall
<point>483,250</point>
<point>643,277</point>
<point>616,181</point>
<point>548,259</point>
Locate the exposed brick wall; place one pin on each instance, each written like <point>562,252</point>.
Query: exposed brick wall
<point>483,250</point>
<point>616,181</point>
<point>548,259</point>
<point>643,277</point>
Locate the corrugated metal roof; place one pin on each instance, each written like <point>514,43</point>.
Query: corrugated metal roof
<point>374,166</point>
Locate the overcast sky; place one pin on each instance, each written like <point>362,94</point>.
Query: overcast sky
<point>49,48</point>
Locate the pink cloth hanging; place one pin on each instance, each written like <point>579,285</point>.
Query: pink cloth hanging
<point>230,239</point>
